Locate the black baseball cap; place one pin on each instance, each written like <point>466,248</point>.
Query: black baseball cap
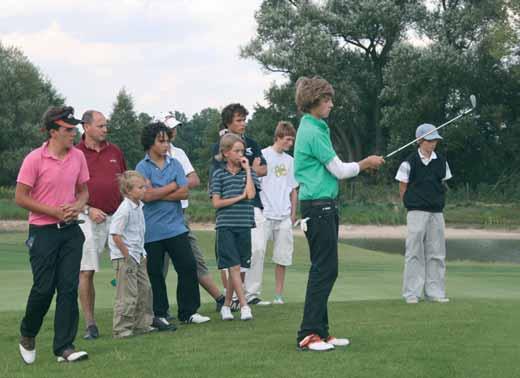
<point>63,116</point>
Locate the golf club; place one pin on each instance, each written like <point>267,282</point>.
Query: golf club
<point>473,101</point>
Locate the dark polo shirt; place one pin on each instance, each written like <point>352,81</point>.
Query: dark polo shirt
<point>104,166</point>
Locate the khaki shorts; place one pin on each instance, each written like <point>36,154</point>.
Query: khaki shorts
<point>96,238</point>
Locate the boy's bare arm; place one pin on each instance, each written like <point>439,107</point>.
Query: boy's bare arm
<point>72,210</point>
<point>120,244</point>
<point>219,202</point>
<point>23,199</point>
<point>294,204</point>
<point>250,190</point>
<point>193,180</point>
<point>402,189</point>
<point>260,170</point>
<point>155,194</point>
<point>181,193</point>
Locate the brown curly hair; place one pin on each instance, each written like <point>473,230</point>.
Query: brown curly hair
<point>310,91</point>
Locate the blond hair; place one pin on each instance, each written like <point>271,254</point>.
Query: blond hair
<point>127,181</point>
<point>283,129</point>
<point>226,143</point>
<point>310,91</point>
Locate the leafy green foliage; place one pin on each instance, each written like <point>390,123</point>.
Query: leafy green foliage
<point>24,96</point>
<point>197,136</point>
<point>386,86</point>
<point>125,128</point>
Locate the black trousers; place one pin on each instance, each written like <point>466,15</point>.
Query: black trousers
<point>322,237</point>
<point>188,295</point>
<point>55,256</point>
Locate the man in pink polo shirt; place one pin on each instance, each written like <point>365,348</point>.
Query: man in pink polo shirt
<point>105,162</point>
<point>52,185</point>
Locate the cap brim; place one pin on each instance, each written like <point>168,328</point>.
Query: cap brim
<point>73,121</point>
<point>171,124</point>
<point>69,123</point>
<point>432,136</point>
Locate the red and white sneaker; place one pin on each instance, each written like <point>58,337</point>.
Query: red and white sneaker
<point>314,343</point>
<point>337,342</point>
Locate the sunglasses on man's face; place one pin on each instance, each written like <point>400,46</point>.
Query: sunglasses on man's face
<point>69,129</point>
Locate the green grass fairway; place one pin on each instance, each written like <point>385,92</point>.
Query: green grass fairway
<point>476,335</point>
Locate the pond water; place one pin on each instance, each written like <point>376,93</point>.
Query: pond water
<point>488,250</point>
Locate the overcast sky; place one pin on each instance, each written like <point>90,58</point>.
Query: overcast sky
<point>169,54</point>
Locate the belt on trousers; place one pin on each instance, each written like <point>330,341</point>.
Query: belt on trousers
<point>319,202</point>
<point>60,225</point>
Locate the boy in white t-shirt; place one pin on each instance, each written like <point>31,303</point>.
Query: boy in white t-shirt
<point>279,196</point>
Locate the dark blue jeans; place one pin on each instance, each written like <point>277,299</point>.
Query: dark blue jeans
<point>322,237</point>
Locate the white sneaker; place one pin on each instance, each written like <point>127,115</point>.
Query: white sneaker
<point>314,343</point>
<point>338,342</point>
<point>278,300</point>
<point>439,299</point>
<point>245,313</point>
<point>198,319</point>
<point>225,313</point>
<point>258,302</point>
<point>27,349</point>
<point>412,300</point>
<point>70,355</point>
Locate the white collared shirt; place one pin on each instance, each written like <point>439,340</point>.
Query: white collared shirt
<point>180,155</point>
<point>403,173</point>
<point>128,222</point>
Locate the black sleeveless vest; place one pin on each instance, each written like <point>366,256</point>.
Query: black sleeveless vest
<point>425,189</point>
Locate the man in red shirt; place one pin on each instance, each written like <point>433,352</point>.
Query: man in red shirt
<point>105,162</point>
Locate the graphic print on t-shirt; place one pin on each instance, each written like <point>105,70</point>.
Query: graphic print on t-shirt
<point>280,170</point>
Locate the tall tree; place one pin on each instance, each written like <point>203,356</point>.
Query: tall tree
<point>349,43</point>
<point>125,128</point>
<point>24,97</point>
<point>471,50</point>
<point>197,136</point>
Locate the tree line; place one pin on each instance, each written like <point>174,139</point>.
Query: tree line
<point>393,63</point>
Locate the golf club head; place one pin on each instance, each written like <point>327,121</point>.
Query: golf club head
<point>473,101</point>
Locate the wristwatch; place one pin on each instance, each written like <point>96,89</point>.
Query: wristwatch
<point>86,210</point>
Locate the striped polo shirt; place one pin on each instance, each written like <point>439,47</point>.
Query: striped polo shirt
<point>228,185</point>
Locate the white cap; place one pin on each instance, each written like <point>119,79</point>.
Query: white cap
<point>168,119</point>
<point>427,131</point>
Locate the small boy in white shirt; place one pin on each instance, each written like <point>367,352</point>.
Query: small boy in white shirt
<point>133,311</point>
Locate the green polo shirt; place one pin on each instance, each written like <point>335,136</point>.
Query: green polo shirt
<point>312,152</point>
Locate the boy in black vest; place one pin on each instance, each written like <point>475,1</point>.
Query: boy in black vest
<point>422,190</point>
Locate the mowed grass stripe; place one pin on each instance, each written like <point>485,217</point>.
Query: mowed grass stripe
<point>364,275</point>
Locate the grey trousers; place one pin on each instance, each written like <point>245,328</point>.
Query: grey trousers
<point>424,261</point>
